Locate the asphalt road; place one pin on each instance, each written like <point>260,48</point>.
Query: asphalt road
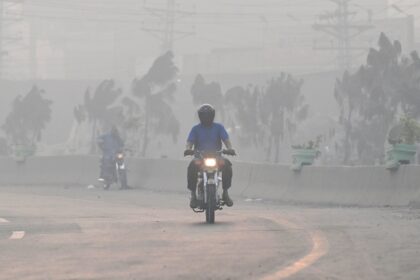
<point>81,233</point>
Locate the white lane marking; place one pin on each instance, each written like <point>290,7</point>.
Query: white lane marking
<point>17,235</point>
<point>3,221</point>
<point>319,249</point>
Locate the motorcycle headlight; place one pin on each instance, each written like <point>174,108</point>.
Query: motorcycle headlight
<point>120,156</point>
<point>210,162</point>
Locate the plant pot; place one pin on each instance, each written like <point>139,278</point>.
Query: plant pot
<point>303,157</point>
<point>22,152</point>
<point>401,154</point>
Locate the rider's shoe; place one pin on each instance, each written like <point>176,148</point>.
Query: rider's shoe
<point>193,200</point>
<point>228,201</point>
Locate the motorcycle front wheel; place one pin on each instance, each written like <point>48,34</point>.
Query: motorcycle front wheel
<point>122,178</point>
<point>211,204</point>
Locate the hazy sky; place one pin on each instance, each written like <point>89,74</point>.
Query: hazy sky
<point>86,30</point>
<point>214,23</point>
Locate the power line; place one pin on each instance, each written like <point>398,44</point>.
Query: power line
<point>156,11</point>
<point>168,35</point>
<point>134,20</point>
<point>339,26</point>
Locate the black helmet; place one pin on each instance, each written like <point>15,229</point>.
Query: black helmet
<point>206,114</point>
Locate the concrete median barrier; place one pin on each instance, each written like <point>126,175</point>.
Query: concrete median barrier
<point>363,186</point>
<point>48,170</point>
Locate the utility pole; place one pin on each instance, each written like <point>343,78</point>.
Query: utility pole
<point>168,39</point>
<point>168,34</point>
<point>6,8</point>
<point>2,53</point>
<point>33,53</point>
<point>338,25</point>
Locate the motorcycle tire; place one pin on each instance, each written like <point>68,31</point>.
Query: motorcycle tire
<point>211,204</point>
<point>122,178</point>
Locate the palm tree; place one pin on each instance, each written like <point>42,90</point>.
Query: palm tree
<point>243,113</point>
<point>100,110</point>
<point>156,89</point>
<point>371,98</point>
<point>208,93</point>
<point>348,94</point>
<point>282,107</point>
<point>4,147</point>
<point>410,85</point>
<point>132,124</point>
<point>28,118</point>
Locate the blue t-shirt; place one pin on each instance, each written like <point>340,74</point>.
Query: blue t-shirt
<point>110,144</point>
<point>208,139</point>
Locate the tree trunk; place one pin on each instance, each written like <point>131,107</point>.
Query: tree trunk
<point>146,129</point>
<point>347,148</point>
<point>277,147</point>
<point>93,140</point>
<point>278,137</point>
<point>268,155</point>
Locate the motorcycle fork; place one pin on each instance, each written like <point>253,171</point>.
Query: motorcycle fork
<point>117,173</point>
<point>213,177</point>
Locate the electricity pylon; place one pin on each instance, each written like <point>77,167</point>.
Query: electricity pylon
<point>339,25</point>
<point>168,34</point>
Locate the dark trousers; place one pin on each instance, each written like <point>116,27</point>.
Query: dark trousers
<point>193,170</point>
<point>107,166</point>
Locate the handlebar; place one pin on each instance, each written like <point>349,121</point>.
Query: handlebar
<point>229,152</point>
<point>224,151</point>
<point>188,153</point>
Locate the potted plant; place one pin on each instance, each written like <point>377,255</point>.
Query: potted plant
<point>403,138</point>
<point>305,154</point>
<point>21,152</point>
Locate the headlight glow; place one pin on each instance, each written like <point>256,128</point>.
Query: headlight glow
<point>210,162</point>
<point>120,156</point>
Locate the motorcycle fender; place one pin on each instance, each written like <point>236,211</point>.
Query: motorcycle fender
<point>210,178</point>
<point>211,181</point>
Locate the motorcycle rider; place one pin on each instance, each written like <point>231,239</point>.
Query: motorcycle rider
<point>208,136</point>
<point>110,144</point>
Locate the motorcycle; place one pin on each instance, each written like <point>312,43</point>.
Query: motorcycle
<point>209,183</point>
<point>114,171</point>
